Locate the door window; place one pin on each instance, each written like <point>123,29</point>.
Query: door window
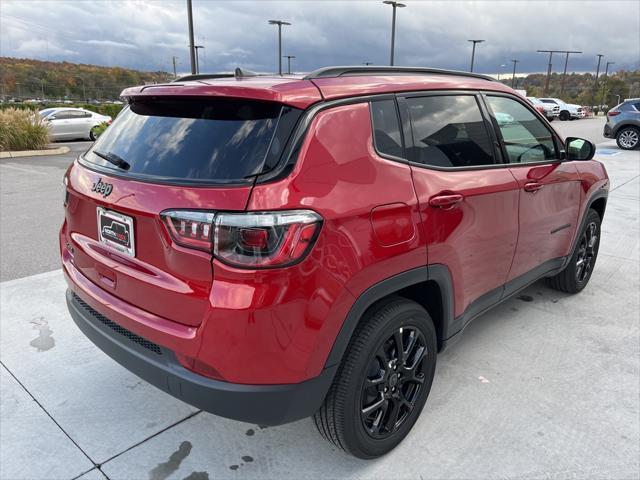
<point>64,115</point>
<point>449,131</point>
<point>526,139</point>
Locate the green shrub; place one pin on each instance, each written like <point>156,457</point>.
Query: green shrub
<point>22,130</point>
<point>99,130</point>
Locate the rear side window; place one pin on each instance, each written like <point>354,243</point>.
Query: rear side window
<point>449,131</point>
<point>386,128</point>
<point>195,140</point>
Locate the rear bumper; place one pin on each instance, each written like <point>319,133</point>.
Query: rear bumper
<point>260,404</point>
<point>608,131</point>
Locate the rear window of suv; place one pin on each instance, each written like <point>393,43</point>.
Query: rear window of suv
<point>195,140</point>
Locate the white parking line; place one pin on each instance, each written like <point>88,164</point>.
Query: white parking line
<point>26,170</point>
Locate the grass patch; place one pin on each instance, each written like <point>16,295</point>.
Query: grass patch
<point>22,130</point>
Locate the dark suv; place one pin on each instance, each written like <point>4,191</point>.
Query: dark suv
<point>284,247</point>
<point>623,124</point>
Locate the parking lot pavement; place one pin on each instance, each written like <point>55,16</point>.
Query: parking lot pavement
<point>544,386</point>
<point>589,128</point>
<point>31,211</point>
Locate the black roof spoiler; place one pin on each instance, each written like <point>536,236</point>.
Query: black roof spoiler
<point>237,73</point>
<point>332,72</point>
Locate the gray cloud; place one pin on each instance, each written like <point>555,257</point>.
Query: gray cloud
<point>145,34</point>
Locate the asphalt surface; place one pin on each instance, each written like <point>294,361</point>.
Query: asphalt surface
<point>31,211</point>
<point>544,386</point>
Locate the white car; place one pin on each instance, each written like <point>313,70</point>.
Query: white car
<point>568,111</point>
<point>72,123</point>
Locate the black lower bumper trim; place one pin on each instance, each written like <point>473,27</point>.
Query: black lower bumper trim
<point>260,404</point>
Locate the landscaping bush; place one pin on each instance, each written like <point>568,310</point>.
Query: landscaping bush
<point>99,130</point>
<point>22,130</point>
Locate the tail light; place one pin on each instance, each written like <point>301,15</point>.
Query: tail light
<point>613,113</point>
<point>247,240</point>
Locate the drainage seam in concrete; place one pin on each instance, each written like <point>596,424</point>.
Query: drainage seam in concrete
<point>623,184</point>
<point>48,414</point>
<point>148,438</point>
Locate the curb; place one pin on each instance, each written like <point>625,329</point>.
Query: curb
<point>35,153</point>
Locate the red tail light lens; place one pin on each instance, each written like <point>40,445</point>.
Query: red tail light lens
<point>613,113</point>
<point>265,239</point>
<point>190,229</point>
<point>248,240</point>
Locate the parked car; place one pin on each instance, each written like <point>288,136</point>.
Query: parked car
<point>623,124</point>
<point>550,110</point>
<point>71,123</point>
<point>568,111</point>
<point>279,248</point>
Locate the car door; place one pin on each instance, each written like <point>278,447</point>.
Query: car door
<point>468,199</point>
<point>60,125</point>
<point>549,188</point>
<point>80,123</point>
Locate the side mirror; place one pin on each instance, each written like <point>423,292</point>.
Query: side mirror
<point>579,149</point>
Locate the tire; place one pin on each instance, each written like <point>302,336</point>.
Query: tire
<point>577,273</point>
<point>92,134</point>
<point>628,138</point>
<point>367,369</point>
<point>550,119</point>
<point>564,115</point>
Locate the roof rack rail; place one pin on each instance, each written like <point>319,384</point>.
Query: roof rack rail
<point>329,72</point>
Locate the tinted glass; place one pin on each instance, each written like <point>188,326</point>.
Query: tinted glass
<point>78,114</point>
<point>221,141</point>
<point>63,115</point>
<point>628,107</point>
<point>526,139</point>
<point>386,128</point>
<point>46,111</point>
<point>448,131</point>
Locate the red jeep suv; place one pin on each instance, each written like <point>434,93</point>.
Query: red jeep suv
<point>269,248</point>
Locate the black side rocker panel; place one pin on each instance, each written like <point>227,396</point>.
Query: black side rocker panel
<point>259,404</point>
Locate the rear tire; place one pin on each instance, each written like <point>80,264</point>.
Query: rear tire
<point>381,387</point>
<point>628,138</point>
<point>564,115</point>
<point>577,273</point>
<point>92,134</point>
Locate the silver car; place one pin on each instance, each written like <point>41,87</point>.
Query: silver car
<point>72,123</point>
<point>623,124</point>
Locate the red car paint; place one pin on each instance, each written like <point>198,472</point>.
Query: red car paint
<point>380,217</point>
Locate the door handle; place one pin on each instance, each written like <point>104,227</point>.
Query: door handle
<point>532,187</point>
<point>446,201</point>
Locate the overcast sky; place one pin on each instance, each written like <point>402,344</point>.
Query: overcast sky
<point>145,34</point>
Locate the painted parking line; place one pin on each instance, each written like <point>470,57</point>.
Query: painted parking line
<point>22,169</point>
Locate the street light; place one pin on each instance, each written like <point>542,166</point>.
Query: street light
<point>198,47</point>
<point>501,67</point>
<point>513,78</point>
<point>604,83</point>
<point>393,25</point>
<point>564,73</point>
<point>473,51</point>
<point>279,23</point>
<point>595,86</point>
<point>289,57</point>
<point>192,50</point>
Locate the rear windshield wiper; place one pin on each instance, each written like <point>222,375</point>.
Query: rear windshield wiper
<point>114,159</point>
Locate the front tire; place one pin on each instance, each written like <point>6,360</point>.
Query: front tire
<point>92,134</point>
<point>383,381</point>
<point>628,138</point>
<point>577,273</point>
<point>564,115</point>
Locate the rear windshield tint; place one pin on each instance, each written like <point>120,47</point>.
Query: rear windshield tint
<point>195,140</point>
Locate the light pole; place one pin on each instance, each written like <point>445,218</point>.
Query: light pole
<point>279,23</point>
<point>473,52</point>
<point>173,59</point>
<point>192,50</point>
<point>289,57</point>
<point>42,87</point>
<point>595,86</point>
<point>604,82</point>
<point>19,93</point>
<point>198,47</point>
<point>395,5</point>
<point>501,67</point>
<point>513,78</point>
<point>564,73</point>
